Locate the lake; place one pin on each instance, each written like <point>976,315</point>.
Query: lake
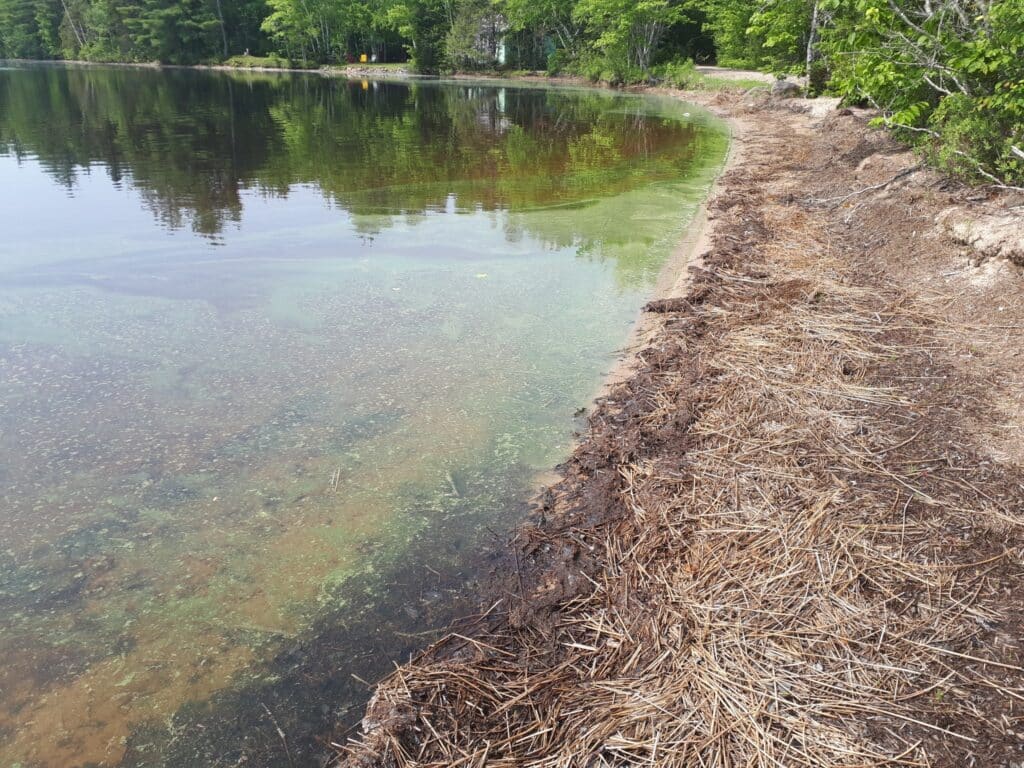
<point>281,359</point>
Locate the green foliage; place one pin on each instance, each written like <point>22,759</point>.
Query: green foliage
<point>599,68</point>
<point>316,30</point>
<point>712,83</point>
<point>783,30</point>
<point>728,21</point>
<point>683,74</point>
<point>818,77</point>
<point>772,35</point>
<point>625,33</point>
<point>21,34</point>
<point>472,40</point>
<point>174,31</point>
<point>424,24</point>
<point>948,78</point>
<point>678,74</point>
<point>548,18</point>
<point>557,61</point>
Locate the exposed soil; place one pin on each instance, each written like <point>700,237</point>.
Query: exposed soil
<point>792,536</point>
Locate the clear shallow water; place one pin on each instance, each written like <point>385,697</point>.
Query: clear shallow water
<point>277,354</point>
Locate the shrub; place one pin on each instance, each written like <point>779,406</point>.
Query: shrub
<point>680,73</point>
<point>818,78</point>
<point>271,61</point>
<point>608,69</point>
<point>557,61</point>
<point>956,91</point>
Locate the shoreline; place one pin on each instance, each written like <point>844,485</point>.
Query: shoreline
<point>381,73</point>
<point>674,279</point>
<point>351,71</point>
<point>404,74</point>
<point>796,517</point>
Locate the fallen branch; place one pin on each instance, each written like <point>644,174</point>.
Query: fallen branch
<point>835,202</point>
<point>977,166</point>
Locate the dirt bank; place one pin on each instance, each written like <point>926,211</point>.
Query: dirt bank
<point>792,537</point>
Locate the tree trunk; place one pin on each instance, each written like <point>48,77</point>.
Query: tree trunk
<point>223,32</point>
<point>71,21</point>
<point>812,38</point>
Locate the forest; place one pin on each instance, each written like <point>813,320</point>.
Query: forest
<point>947,75</point>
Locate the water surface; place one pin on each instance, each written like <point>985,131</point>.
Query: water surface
<point>277,353</point>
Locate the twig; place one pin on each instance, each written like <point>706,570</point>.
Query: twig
<point>835,202</point>
<point>280,733</point>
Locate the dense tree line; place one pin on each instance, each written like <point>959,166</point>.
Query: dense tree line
<point>169,31</point>
<point>947,74</point>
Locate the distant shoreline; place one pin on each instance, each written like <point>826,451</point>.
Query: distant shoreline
<point>354,71</point>
<point>327,70</point>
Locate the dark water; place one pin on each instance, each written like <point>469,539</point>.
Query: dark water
<point>278,355</point>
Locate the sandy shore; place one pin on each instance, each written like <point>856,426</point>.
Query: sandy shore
<point>792,532</point>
